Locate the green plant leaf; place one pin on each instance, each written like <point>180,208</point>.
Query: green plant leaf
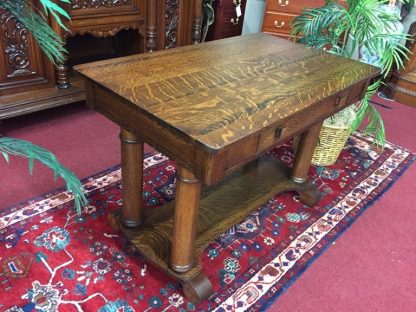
<point>364,24</point>
<point>36,153</point>
<point>6,156</point>
<point>31,165</point>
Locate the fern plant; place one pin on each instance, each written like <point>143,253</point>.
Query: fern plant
<point>344,31</point>
<point>53,47</point>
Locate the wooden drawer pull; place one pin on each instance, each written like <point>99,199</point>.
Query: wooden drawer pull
<point>279,25</point>
<point>341,101</point>
<point>283,3</point>
<point>234,21</point>
<point>278,133</point>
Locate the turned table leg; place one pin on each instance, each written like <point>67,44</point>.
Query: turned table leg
<point>188,189</point>
<point>132,178</point>
<point>304,154</point>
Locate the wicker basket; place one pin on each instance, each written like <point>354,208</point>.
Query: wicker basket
<point>332,140</point>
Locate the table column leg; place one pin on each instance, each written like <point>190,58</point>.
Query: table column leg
<point>304,154</point>
<point>188,189</point>
<point>132,178</point>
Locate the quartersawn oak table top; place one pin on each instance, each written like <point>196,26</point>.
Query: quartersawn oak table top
<point>220,92</point>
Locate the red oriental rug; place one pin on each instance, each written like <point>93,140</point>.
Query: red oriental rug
<point>54,260</point>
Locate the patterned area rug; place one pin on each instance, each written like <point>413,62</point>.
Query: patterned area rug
<point>54,260</point>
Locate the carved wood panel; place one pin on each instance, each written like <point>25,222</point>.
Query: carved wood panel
<point>15,45</point>
<point>161,24</point>
<point>22,62</point>
<point>179,23</point>
<point>171,23</point>
<point>87,4</point>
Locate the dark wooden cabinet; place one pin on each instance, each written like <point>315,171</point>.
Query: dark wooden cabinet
<point>402,84</point>
<point>98,29</point>
<point>279,15</point>
<point>227,22</point>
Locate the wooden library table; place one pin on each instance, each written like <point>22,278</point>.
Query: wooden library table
<point>216,108</point>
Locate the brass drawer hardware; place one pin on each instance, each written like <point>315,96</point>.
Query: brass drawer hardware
<point>279,25</point>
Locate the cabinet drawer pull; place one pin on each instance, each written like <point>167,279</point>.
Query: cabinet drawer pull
<point>279,25</point>
<point>234,21</point>
<point>283,3</point>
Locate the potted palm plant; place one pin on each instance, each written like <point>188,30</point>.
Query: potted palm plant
<point>367,30</point>
<point>53,47</point>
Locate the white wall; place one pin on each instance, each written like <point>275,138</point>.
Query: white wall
<point>253,17</point>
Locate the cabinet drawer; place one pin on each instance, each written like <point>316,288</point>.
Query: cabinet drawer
<point>278,22</point>
<point>293,6</point>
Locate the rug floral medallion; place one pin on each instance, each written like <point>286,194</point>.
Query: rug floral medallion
<point>54,260</point>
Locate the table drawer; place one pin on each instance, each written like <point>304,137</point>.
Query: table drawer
<point>276,134</point>
<point>293,6</point>
<point>250,147</point>
<point>278,22</point>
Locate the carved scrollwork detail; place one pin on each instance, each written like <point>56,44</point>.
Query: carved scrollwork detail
<point>171,23</point>
<point>88,4</point>
<point>16,45</point>
<point>103,31</point>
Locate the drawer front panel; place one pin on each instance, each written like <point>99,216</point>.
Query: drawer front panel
<point>251,147</point>
<point>293,6</point>
<point>278,22</point>
<point>277,134</point>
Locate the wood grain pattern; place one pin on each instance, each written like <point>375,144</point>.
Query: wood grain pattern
<point>220,95</point>
<point>220,208</point>
<point>214,108</point>
<point>132,178</point>
<point>305,151</point>
<point>185,223</point>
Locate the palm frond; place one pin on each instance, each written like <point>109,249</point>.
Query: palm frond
<point>55,10</point>
<point>363,25</point>
<point>365,111</point>
<point>11,146</point>
<point>388,50</point>
<point>35,22</point>
<point>315,22</point>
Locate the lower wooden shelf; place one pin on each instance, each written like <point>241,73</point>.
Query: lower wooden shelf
<point>220,208</point>
<point>32,101</point>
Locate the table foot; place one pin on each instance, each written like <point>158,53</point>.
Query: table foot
<point>198,288</point>
<point>309,194</point>
<point>221,207</point>
<point>112,220</point>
